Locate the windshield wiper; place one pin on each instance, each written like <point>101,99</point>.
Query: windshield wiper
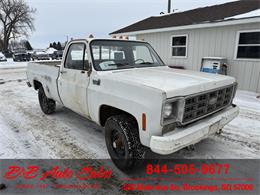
<point>119,64</point>
<point>147,63</point>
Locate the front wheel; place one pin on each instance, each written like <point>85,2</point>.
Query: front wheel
<point>123,142</point>
<point>47,105</point>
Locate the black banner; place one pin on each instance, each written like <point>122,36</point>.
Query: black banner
<point>164,176</point>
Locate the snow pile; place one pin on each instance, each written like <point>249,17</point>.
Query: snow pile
<point>10,64</point>
<point>50,50</point>
<point>255,13</point>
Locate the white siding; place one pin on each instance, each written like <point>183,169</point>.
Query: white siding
<point>217,41</point>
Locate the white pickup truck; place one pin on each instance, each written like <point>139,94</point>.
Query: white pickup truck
<point>125,87</point>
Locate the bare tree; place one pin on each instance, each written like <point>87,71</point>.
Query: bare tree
<point>16,20</point>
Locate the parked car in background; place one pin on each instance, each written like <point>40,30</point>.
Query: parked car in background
<point>21,56</point>
<point>57,55</point>
<point>8,53</point>
<point>40,55</point>
<point>2,57</point>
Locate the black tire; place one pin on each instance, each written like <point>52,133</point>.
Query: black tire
<point>2,186</point>
<point>47,105</point>
<point>123,142</point>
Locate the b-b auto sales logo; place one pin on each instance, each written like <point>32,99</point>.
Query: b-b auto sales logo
<point>152,176</point>
<point>34,173</point>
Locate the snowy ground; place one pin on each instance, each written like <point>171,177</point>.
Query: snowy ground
<point>27,133</point>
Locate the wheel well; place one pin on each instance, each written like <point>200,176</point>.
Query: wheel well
<point>36,84</point>
<point>108,111</point>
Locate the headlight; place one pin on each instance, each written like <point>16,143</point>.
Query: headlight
<point>172,111</point>
<point>167,110</point>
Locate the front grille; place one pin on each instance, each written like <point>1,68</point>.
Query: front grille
<point>198,106</point>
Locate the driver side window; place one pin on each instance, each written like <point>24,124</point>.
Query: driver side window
<point>76,58</point>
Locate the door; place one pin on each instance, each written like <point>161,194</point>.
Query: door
<point>74,80</point>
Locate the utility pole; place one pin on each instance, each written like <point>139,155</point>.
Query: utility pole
<point>169,6</point>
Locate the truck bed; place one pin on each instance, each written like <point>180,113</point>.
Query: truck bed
<point>46,73</point>
<point>48,62</point>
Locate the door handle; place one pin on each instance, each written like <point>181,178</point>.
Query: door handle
<point>96,81</point>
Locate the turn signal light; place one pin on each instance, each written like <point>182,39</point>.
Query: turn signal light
<point>144,122</point>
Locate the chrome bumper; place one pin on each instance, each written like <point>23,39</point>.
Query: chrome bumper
<point>194,133</point>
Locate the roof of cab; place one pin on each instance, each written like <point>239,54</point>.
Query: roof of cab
<point>105,39</point>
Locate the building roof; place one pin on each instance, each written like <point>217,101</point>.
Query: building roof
<point>209,14</point>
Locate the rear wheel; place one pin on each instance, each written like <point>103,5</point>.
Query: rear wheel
<point>47,105</point>
<point>123,142</point>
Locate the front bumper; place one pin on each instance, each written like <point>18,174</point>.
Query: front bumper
<point>194,133</point>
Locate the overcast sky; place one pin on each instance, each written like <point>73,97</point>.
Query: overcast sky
<point>57,19</point>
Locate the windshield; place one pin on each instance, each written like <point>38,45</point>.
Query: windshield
<point>115,55</point>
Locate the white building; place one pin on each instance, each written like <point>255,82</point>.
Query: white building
<point>230,30</point>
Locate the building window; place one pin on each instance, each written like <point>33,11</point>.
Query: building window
<point>179,45</point>
<point>248,45</point>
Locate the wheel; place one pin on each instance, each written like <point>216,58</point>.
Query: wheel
<point>123,142</point>
<point>47,105</point>
<point>2,186</point>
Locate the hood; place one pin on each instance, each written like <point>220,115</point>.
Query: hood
<point>173,82</point>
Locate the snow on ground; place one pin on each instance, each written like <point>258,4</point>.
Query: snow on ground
<point>11,64</point>
<point>27,133</point>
